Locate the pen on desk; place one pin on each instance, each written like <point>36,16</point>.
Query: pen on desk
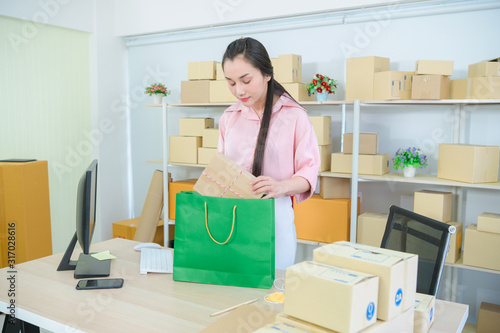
<point>232,308</point>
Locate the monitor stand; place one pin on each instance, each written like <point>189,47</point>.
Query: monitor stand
<point>89,267</point>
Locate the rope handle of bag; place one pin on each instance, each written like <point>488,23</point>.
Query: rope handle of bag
<point>208,230</point>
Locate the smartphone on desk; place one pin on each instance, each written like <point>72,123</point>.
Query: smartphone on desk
<point>99,284</point>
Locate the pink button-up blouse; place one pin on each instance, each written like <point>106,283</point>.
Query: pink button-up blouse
<point>291,146</point>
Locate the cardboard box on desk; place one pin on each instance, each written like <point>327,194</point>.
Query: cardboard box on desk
<point>455,250</point>
<point>321,126</point>
<point>323,220</point>
<point>430,87</point>
<point>332,297</point>
<point>468,163</point>
<point>433,204</point>
<point>184,149</point>
<point>205,154</point>
<point>481,248</point>
<point>210,137</point>
<point>201,70</point>
<point>173,189</point>
<point>224,178</point>
<point>126,229</point>
<point>195,91</point>
<point>289,68</point>
<point>397,272</point>
<point>367,164</point>
<point>371,228</point>
<point>489,222</point>
<point>434,67</point>
<point>194,126</point>
<point>360,73</point>
<point>368,143</point>
<point>488,318</point>
<point>298,91</point>
<point>424,312</point>
<point>400,324</point>
<point>334,188</point>
<point>325,152</point>
<point>220,93</point>
<point>485,68</point>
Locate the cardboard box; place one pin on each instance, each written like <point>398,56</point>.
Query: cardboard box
<point>219,72</point>
<point>173,189</point>
<point>335,298</point>
<point>205,154</point>
<point>195,91</point>
<point>489,222</point>
<point>481,248</point>
<point>460,88</point>
<point>485,87</point>
<point>323,220</point>
<point>488,318</point>
<point>289,68</point>
<point>24,201</point>
<point>210,137</point>
<point>325,159</point>
<point>194,126</point>
<point>424,313</point>
<point>468,163</point>
<point>126,229</point>
<point>368,143</point>
<point>360,73</point>
<point>201,70</point>
<point>334,188</point>
<point>371,228</point>
<point>224,178</point>
<point>220,93</point>
<point>434,204</point>
<point>367,164</point>
<point>321,125</point>
<point>397,272</point>
<point>485,68</point>
<point>455,249</point>
<point>184,149</point>
<point>434,67</point>
<point>430,87</point>
<point>298,91</point>
<point>392,85</point>
<point>401,324</point>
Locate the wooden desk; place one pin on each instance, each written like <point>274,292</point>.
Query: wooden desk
<point>48,298</point>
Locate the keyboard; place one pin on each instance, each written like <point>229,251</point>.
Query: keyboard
<point>156,261</point>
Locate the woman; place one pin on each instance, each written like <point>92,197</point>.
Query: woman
<point>269,134</point>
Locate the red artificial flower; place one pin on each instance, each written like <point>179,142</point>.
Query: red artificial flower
<point>328,88</point>
<point>317,75</point>
<point>315,82</point>
<point>321,77</point>
<point>319,90</point>
<point>323,83</point>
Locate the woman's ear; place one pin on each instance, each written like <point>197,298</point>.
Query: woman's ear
<point>268,77</point>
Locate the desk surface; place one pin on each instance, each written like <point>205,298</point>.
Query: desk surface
<point>48,299</point>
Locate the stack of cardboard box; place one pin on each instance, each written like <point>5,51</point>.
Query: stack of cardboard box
<point>431,79</point>
<point>184,148</point>
<point>482,242</point>
<point>370,161</point>
<point>288,72</point>
<point>360,76</point>
<point>483,82</point>
<point>438,206</point>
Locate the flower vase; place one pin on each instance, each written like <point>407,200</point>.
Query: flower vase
<point>321,97</point>
<point>409,171</point>
<point>157,98</point>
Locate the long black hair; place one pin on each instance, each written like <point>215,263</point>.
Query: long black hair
<point>256,54</point>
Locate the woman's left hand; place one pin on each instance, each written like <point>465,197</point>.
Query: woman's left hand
<point>269,186</point>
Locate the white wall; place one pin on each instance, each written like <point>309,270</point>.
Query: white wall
<point>153,16</point>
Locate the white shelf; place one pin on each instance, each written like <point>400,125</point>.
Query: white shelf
<point>460,264</point>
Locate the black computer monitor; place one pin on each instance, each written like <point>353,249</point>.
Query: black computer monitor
<point>86,266</point>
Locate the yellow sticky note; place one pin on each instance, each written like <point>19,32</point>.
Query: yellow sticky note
<point>104,255</point>
<point>276,298</point>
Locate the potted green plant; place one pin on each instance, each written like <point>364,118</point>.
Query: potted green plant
<point>158,91</point>
<point>322,86</point>
<point>409,160</point>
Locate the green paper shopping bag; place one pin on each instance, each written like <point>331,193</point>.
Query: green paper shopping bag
<point>224,241</point>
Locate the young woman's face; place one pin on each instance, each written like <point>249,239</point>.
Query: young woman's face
<point>246,82</point>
